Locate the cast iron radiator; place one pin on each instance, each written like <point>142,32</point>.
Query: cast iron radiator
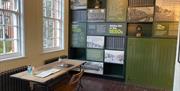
<point>8,83</point>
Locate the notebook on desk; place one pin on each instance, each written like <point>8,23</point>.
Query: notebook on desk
<point>47,72</point>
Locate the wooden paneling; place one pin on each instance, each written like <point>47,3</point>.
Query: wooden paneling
<point>150,62</point>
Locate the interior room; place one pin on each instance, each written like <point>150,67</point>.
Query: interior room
<point>89,45</point>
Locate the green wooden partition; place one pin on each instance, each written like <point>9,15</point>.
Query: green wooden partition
<point>150,62</point>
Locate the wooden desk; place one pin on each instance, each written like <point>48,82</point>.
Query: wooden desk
<point>25,76</point>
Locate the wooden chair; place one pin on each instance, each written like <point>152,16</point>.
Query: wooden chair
<point>72,85</point>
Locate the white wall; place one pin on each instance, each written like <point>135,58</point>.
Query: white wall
<point>177,66</point>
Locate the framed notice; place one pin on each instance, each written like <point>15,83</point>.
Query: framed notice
<point>167,10</point>
<point>112,56</point>
<point>116,10</point>
<point>95,42</point>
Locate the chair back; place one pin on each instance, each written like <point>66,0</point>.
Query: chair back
<point>73,83</point>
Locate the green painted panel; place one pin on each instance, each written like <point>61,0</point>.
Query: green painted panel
<point>94,54</point>
<point>150,62</point>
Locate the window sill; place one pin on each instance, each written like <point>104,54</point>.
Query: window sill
<point>12,58</point>
<point>52,50</point>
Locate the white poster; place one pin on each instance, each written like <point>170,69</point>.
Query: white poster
<point>112,56</point>
<point>95,42</point>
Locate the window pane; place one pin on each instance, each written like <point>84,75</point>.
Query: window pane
<point>10,19</point>
<point>11,46</point>
<point>11,32</point>
<point>1,18</point>
<point>9,4</point>
<point>1,47</point>
<point>1,32</point>
<point>52,26</point>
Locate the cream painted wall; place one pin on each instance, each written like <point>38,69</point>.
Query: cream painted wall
<point>33,31</point>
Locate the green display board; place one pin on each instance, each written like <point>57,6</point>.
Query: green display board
<point>78,35</point>
<point>150,62</point>
<point>116,29</point>
<point>112,14</point>
<point>94,54</point>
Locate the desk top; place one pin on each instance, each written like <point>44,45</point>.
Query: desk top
<point>25,76</point>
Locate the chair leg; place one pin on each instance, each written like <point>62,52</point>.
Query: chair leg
<point>80,85</point>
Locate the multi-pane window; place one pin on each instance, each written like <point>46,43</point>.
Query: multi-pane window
<point>10,28</point>
<point>53,24</point>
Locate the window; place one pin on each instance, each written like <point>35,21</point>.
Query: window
<point>10,28</point>
<point>53,25</point>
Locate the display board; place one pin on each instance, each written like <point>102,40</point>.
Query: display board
<point>79,16</point>
<point>78,4</point>
<point>78,36</point>
<point>163,29</point>
<point>96,28</point>
<point>112,56</point>
<point>95,42</point>
<point>116,29</point>
<point>141,3</point>
<point>94,55</point>
<point>93,67</point>
<point>167,10</point>
<point>145,29</point>
<point>96,15</point>
<point>116,16</point>
<point>140,14</point>
<point>116,43</point>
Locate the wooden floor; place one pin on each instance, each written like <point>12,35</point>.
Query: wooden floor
<point>91,83</point>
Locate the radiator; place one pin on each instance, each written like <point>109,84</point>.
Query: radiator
<point>8,83</point>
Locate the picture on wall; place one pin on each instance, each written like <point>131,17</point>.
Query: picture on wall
<point>78,4</point>
<point>140,14</point>
<point>165,29</point>
<point>167,10</point>
<point>112,56</point>
<point>95,42</point>
<point>116,29</point>
<point>94,54</point>
<point>112,14</point>
<point>93,67</point>
<point>78,35</point>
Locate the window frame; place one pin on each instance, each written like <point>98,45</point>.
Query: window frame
<point>20,32</point>
<point>60,20</point>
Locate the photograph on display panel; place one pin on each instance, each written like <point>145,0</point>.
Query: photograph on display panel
<point>167,10</point>
<point>112,56</point>
<point>95,42</point>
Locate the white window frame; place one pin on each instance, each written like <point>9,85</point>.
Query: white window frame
<point>19,36</point>
<point>60,30</point>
